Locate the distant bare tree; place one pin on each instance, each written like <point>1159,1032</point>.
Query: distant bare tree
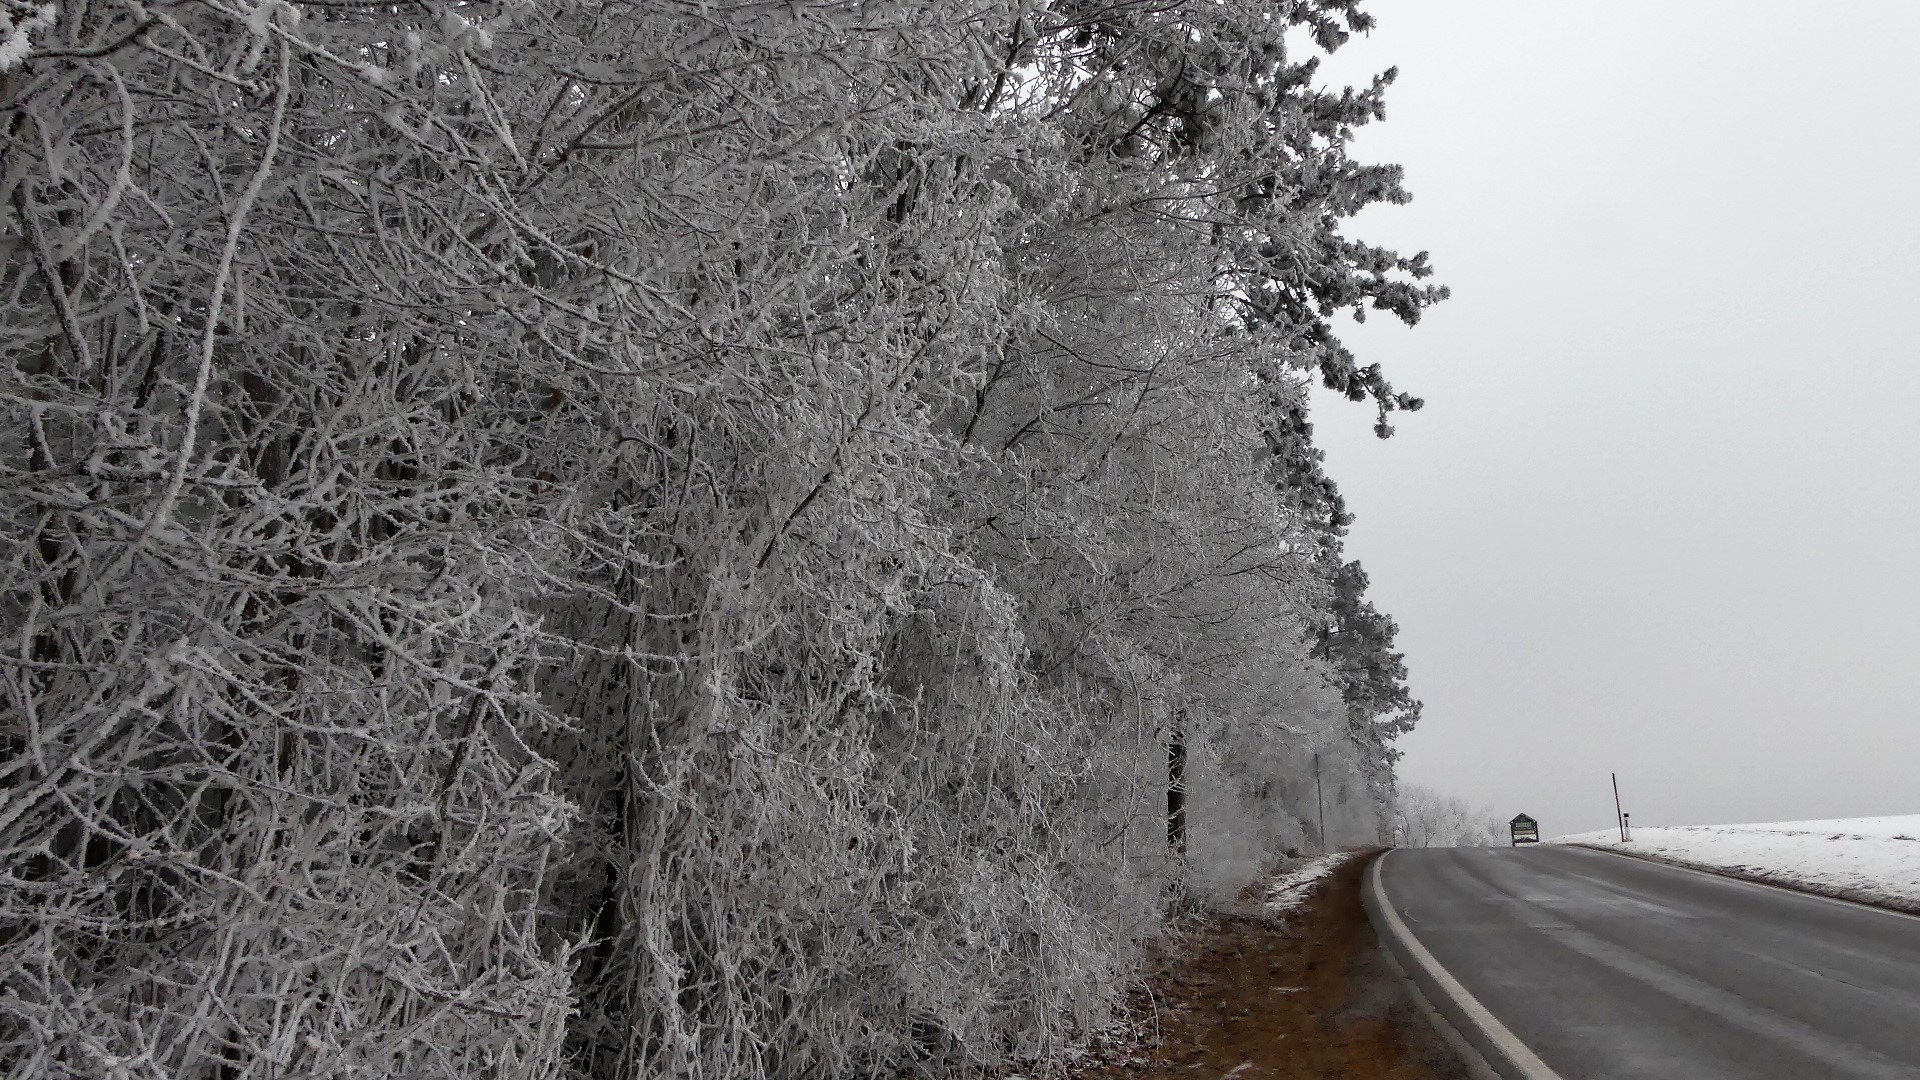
<point>1429,818</point>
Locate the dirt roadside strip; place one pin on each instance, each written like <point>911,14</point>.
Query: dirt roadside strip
<point>1253,996</point>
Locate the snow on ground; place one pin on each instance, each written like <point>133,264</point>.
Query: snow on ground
<point>1294,883</point>
<point>1875,860</point>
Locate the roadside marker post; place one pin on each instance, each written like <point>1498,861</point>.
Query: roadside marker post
<point>1619,818</point>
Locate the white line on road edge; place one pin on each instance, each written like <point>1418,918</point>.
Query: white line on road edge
<point>1707,871</point>
<point>1521,1063</point>
<point>1469,1054</point>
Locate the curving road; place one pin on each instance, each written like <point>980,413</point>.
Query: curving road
<point>1607,967</point>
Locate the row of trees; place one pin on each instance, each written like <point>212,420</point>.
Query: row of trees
<point>673,538</point>
<point>1425,817</point>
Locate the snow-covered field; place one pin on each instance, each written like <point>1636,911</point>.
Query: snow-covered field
<point>1875,860</point>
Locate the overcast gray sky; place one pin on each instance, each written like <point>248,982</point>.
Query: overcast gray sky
<point>1661,514</point>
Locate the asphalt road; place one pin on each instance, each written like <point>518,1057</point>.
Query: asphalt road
<point>1607,967</point>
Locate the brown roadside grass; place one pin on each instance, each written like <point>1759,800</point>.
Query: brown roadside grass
<point>1251,996</point>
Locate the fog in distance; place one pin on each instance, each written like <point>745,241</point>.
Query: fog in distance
<point>1661,514</point>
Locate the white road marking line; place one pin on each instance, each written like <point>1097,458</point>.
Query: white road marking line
<point>1522,1062</point>
<point>1842,1057</point>
<point>1856,905</point>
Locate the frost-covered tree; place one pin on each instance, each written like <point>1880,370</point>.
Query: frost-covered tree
<point>1357,640</point>
<point>676,538</point>
<point>1428,817</point>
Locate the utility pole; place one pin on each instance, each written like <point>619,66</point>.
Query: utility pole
<point>1618,818</point>
<point>1321,795</point>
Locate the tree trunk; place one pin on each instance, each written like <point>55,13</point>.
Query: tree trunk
<point>1177,789</point>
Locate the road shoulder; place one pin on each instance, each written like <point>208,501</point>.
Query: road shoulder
<point>1759,876</point>
<point>1252,995</point>
<point>1480,1040</point>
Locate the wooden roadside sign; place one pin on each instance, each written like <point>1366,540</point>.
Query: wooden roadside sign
<point>1525,830</point>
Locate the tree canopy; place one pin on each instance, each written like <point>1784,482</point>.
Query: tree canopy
<point>603,538</point>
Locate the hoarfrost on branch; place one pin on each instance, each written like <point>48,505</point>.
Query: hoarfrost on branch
<point>592,539</point>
